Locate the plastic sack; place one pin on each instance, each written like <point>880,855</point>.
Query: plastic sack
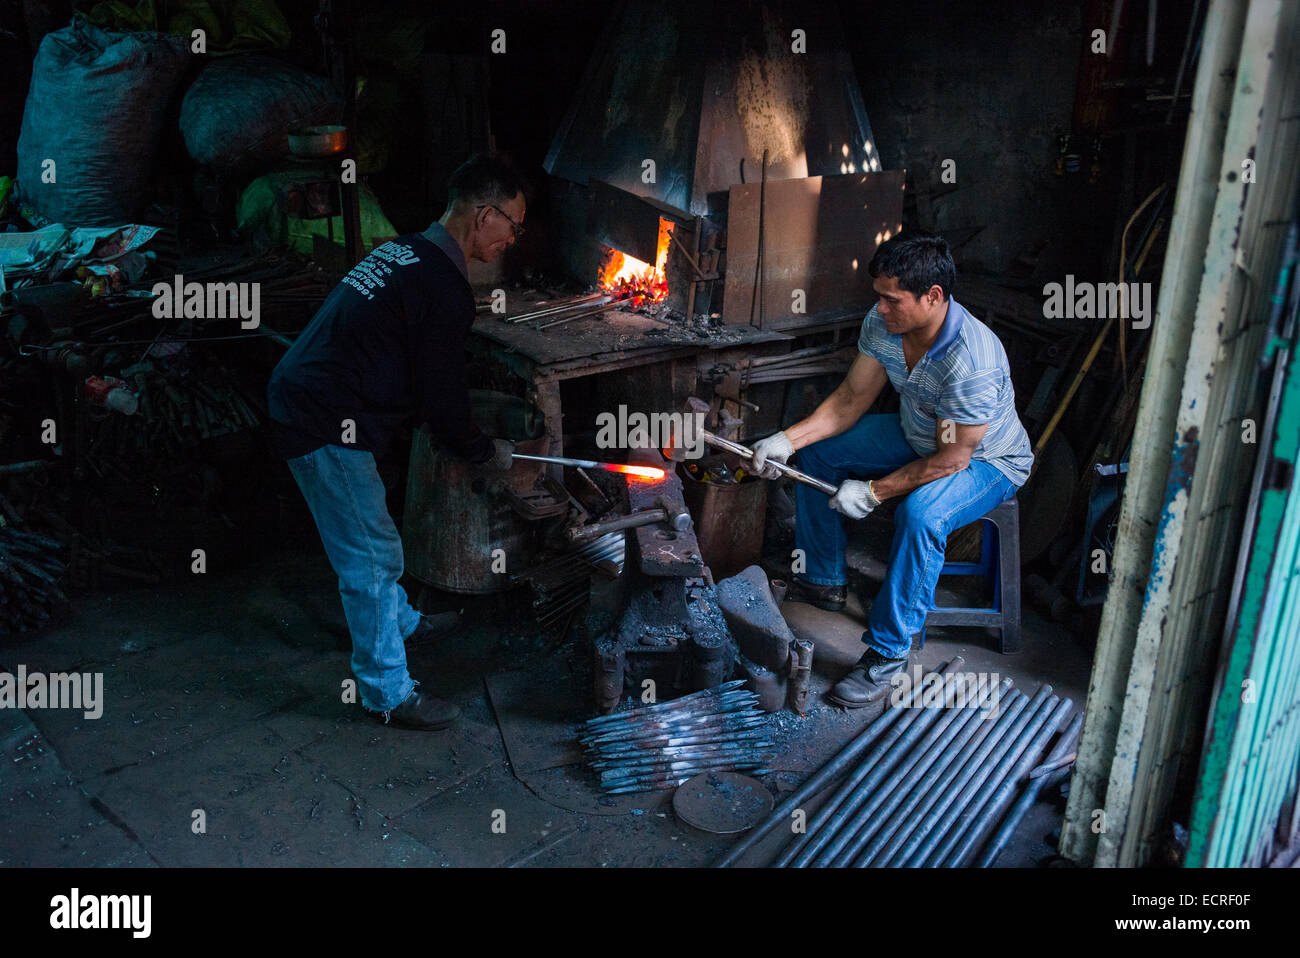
<point>95,108</point>
<point>239,111</point>
<point>262,222</point>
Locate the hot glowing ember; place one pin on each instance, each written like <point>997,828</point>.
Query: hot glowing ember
<point>638,281</point>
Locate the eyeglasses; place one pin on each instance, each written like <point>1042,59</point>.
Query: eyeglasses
<point>516,228</point>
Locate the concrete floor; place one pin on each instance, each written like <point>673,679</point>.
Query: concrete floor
<point>223,695</point>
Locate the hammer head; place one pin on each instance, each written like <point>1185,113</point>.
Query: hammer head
<point>686,433</point>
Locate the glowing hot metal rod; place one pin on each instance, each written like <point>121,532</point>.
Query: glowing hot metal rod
<point>644,472</point>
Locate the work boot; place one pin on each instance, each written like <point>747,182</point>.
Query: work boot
<point>866,680</point>
<point>434,625</point>
<point>421,711</point>
<point>828,597</point>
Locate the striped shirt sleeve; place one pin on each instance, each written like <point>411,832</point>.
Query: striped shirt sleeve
<point>869,337</point>
<point>971,400</point>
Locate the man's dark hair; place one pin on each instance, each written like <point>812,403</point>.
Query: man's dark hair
<point>918,261</point>
<point>484,178</point>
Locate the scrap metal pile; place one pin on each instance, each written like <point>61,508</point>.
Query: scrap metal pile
<point>928,782</point>
<point>660,746</point>
<point>31,570</point>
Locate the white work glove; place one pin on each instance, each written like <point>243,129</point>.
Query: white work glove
<point>776,447</point>
<point>854,498</point>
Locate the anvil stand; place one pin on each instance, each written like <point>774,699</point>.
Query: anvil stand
<point>660,621</point>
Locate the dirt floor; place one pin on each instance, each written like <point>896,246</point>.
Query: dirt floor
<point>222,708</point>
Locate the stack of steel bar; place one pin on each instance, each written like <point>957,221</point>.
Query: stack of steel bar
<point>926,782</point>
<point>660,746</point>
<point>813,361</point>
<point>30,570</point>
<point>562,585</point>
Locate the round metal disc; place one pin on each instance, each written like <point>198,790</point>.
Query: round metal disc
<point>723,803</point>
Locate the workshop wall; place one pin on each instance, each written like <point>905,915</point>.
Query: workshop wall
<point>988,86</point>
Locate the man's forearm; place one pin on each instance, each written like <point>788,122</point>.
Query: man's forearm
<point>915,474</point>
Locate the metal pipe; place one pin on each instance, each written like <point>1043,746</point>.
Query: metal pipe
<point>831,816</point>
<point>942,855</point>
<point>935,823</point>
<point>894,805</point>
<point>1037,784</point>
<point>827,773</point>
<point>937,794</point>
<point>791,471</point>
<point>936,785</point>
<point>1002,796</point>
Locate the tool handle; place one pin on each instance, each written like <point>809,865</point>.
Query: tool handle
<point>790,471</point>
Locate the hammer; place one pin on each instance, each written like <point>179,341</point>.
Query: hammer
<point>677,451</point>
<point>666,511</point>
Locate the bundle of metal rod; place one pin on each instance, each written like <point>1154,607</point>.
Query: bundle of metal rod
<point>984,811</point>
<point>563,584</point>
<point>782,815</point>
<point>880,810</point>
<point>661,746</point>
<point>581,313</point>
<point>918,798</point>
<point>956,819</point>
<point>30,572</point>
<point>1054,770</point>
<point>813,361</point>
<point>556,307</point>
<point>937,781</point>
<point>900,749</point>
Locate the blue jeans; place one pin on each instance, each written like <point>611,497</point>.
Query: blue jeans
<point>874,447</point>
<point>346,497</point>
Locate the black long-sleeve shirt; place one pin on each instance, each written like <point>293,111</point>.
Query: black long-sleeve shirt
<point>387,347</point>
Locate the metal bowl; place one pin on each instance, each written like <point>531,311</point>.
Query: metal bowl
<point>318,141</point>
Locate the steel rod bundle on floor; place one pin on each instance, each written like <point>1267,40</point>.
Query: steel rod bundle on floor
<point>914,820</point>
<point>995,803</point>
<point>893,749</point>
<point>783,814</point>
<point>660,746</point>
<point>1036,785</point>
<point>935,824</point>
<point>887,816</point>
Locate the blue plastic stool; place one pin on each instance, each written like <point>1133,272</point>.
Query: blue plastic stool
<point>999,564</point>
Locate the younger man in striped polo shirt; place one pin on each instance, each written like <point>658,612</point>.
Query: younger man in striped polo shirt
<point>954,450</point>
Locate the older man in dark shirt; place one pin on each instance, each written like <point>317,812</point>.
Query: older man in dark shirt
<point>387,348</point>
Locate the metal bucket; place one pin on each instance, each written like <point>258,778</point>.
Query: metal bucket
<point>729,520</point>
<point>460,531</point>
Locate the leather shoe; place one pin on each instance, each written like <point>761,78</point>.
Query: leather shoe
<point>828,597</point>
<point>432,626</point>
<point>421,711</point>
<point>866,680</point>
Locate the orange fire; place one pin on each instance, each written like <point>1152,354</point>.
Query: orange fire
<point>641,282</point>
